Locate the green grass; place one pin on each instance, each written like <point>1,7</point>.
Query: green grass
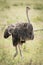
<point>36,4</point>
<point>15,12</point>
<point>32,50</point>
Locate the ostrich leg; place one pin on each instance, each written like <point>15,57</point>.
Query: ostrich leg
<point>20,49</point>
<point>16,52</point>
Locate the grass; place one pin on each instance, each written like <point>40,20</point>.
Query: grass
<point>32,50</point>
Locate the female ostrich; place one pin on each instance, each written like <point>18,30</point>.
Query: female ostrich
<point>20,33</point>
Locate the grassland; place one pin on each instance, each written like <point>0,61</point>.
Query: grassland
<point>15,11</point>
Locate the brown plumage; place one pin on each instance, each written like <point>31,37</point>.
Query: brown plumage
<point>21,32</point>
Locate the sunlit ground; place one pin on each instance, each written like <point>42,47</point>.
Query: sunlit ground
<point>32,50</point>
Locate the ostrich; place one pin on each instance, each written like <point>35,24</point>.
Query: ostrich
<point>21,32</point>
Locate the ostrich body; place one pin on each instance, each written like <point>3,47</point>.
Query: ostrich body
<point>21,32</point>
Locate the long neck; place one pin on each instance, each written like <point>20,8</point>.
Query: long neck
<point>27,15</point>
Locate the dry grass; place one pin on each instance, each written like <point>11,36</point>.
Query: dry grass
<point>32,50</point>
